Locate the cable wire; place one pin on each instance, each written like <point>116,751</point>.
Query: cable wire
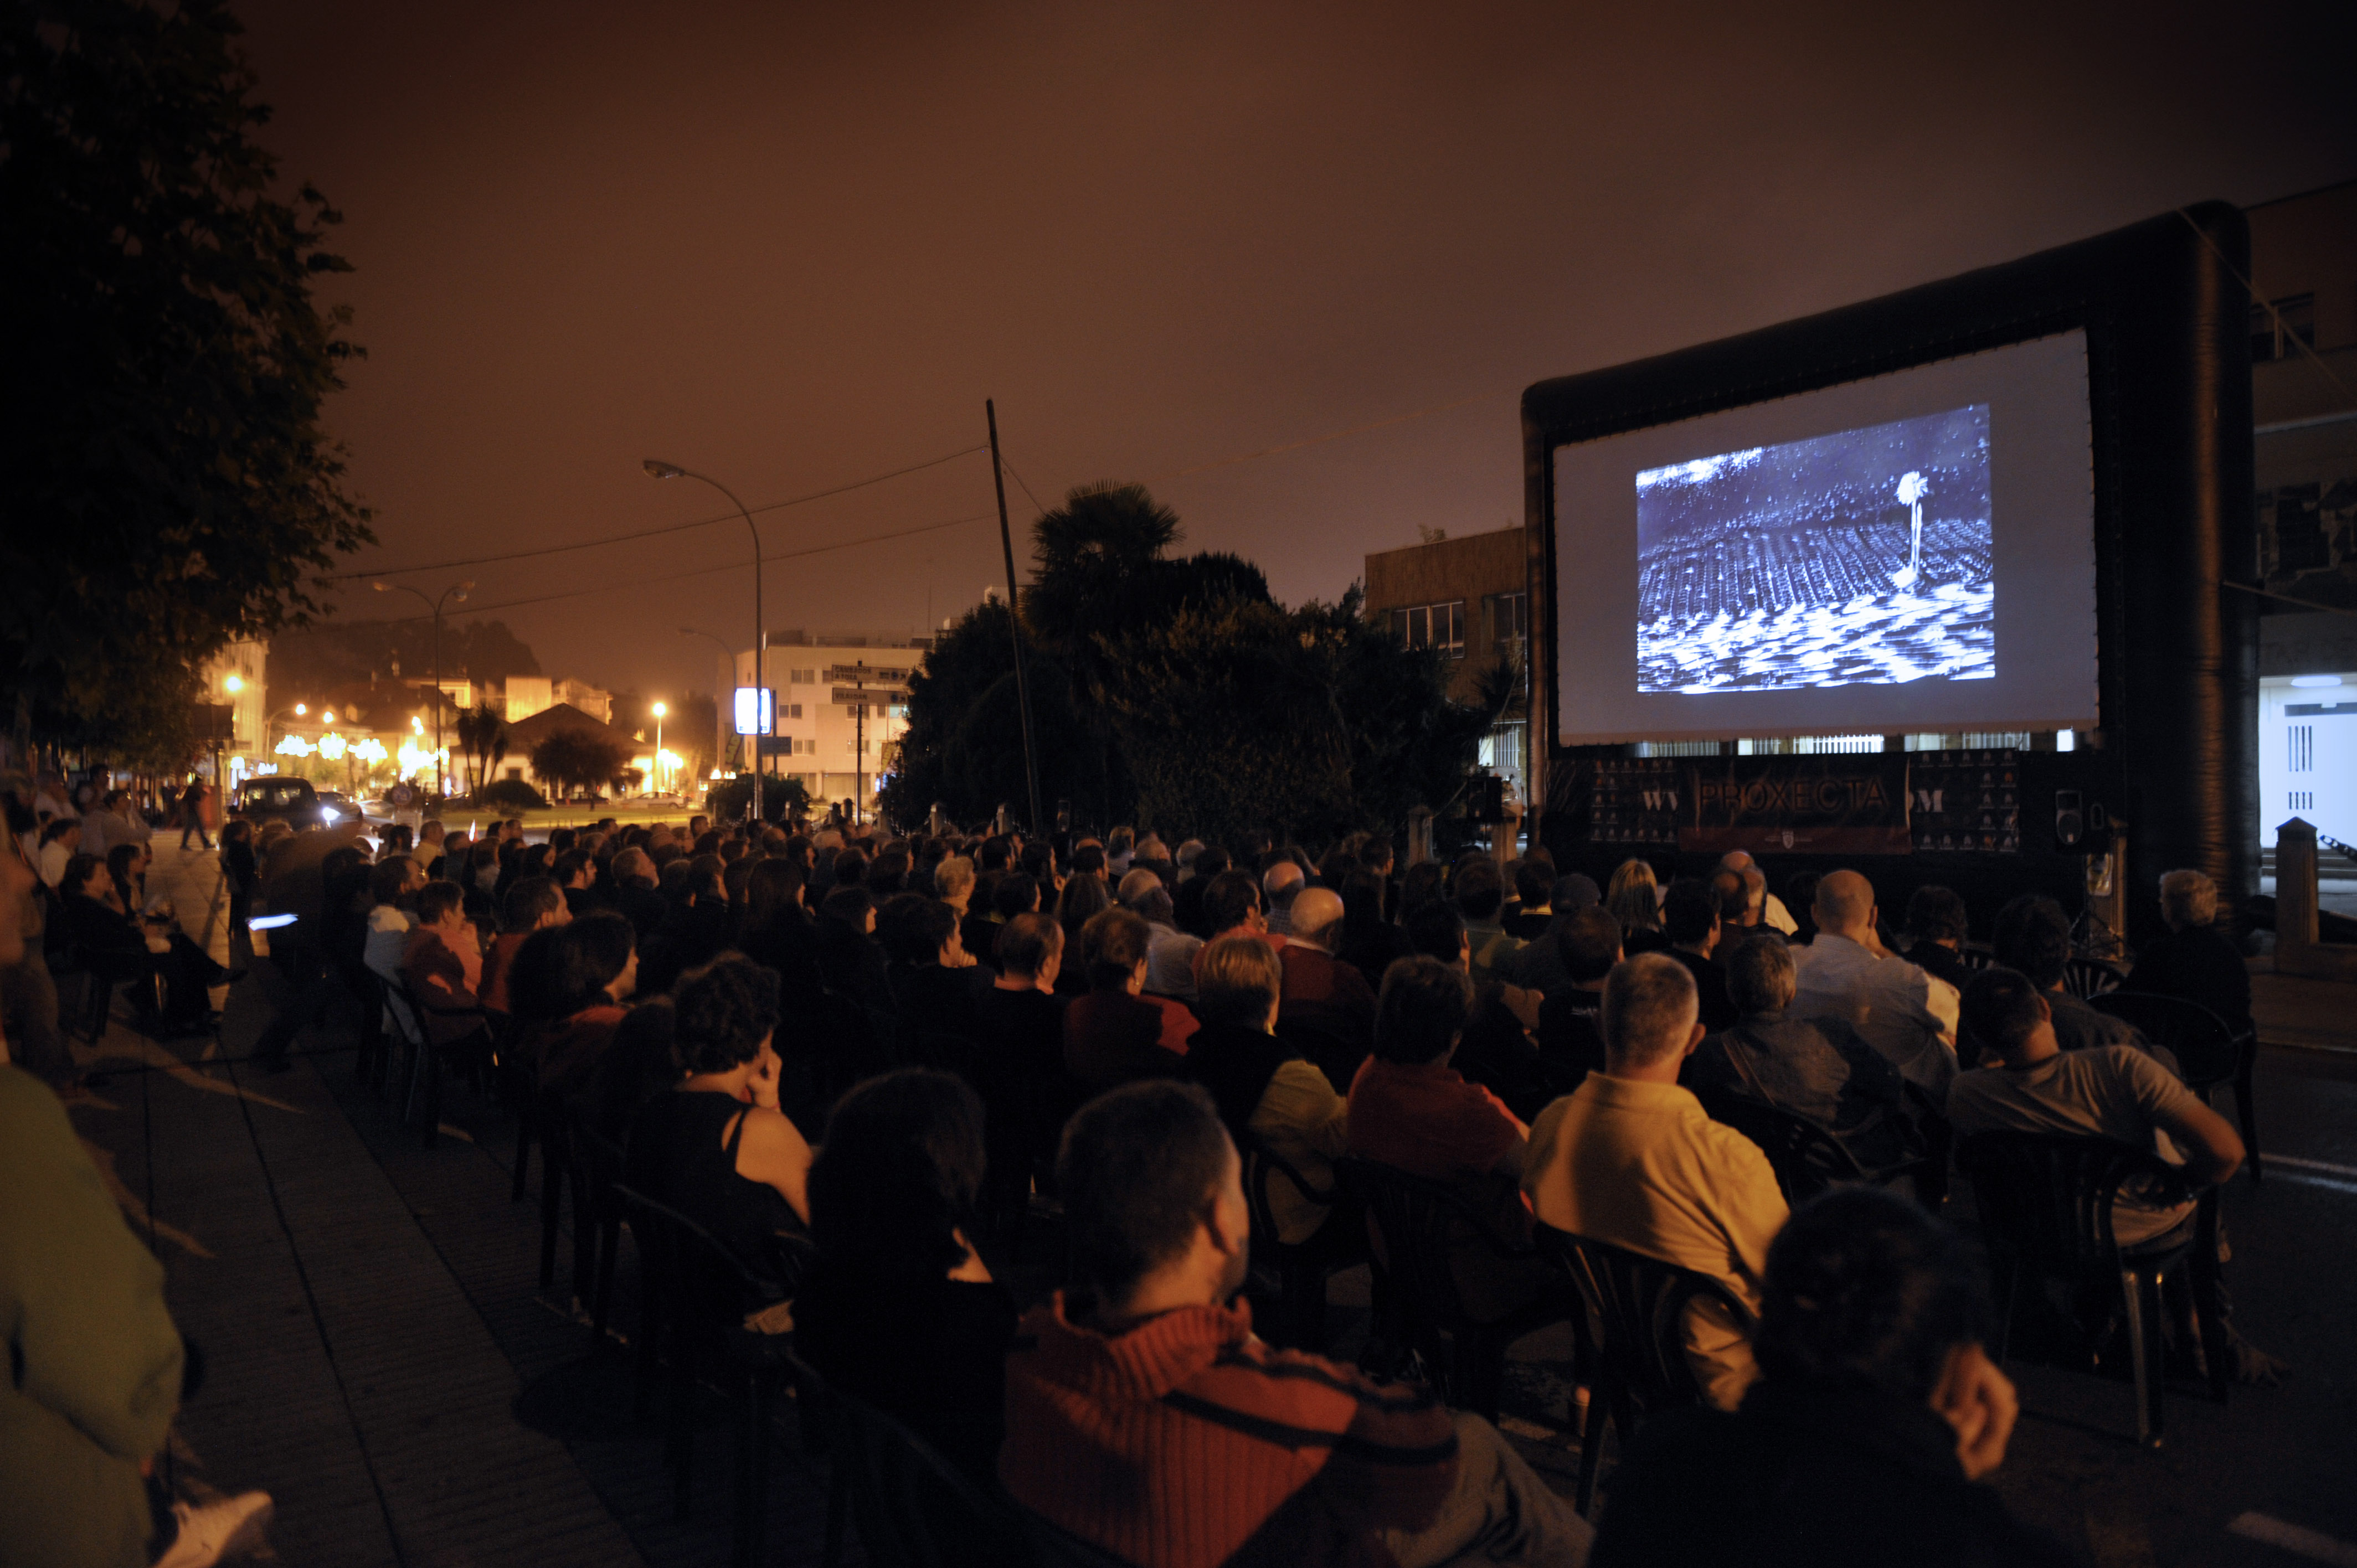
<point>658,533</point>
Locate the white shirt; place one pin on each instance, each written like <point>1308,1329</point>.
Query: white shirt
<point>52,865</point>
<point>388,936</point>
<point>1773,915</point>
<point>1909,1016</point>
<point>1170,961</point>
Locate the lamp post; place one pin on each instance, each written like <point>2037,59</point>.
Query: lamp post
<point>658,469</point>
<point>460,591</point>
<point>659,711</point>
<point>728,654</point>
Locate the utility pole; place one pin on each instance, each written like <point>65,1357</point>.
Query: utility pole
<point>1014,617</point>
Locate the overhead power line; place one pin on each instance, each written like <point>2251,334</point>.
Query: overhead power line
<point>658,533</point>
<point>713,571</point>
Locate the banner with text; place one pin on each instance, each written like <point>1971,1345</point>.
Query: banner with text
<point>1836,804</point>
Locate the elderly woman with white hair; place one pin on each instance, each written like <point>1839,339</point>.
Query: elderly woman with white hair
<point>2195,962</point>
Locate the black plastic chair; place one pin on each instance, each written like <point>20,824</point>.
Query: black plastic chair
<point>594,1171</point>
<point>705,1292</point>
<point>1636,1312</point>
<point>1301,1269</point>
<point>913,1508</point>
<point>2046,1203</point>
<point>553,1119</point>
<point>2208,1053</point>
<point>2087,978</point>
<point>1421,1224</point>
<point>429,1060</point>
<point>1806,1158</point>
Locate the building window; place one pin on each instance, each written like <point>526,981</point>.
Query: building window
<point>802,677</point>
<point>1510,623</point>
<point>2278,324</point>
<point>793,710</point>
<point>2303,749</point>
<point>2303,799</point>
<point>1432,626</point>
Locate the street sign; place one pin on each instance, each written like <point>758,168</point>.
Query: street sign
<point>853,696</point>
<point>859,674</point>
<point>756,710</point>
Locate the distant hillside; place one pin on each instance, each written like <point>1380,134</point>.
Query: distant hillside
<point>303,663</point>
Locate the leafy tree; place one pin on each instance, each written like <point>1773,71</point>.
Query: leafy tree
<point>166,478</point>
<point>578,758</point>
<point>482,733</point>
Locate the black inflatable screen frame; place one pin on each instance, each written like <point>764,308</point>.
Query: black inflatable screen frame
<point>2167,325</point>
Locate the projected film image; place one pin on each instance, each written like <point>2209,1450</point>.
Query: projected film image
<point>1861,557</point>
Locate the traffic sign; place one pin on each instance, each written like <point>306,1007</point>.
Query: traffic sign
<point>863,675</point>
<point>853,696</point>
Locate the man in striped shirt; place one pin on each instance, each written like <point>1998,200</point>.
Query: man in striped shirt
<point>1143,1414</point>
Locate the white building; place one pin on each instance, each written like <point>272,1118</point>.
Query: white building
<point>239,675</point>
<point>839,750</point>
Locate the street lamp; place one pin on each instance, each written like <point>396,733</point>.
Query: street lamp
<point>659,709</point>
<point>658,469</point>
<point>460,592</point>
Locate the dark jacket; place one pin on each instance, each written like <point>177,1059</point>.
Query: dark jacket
<point>1571,1037</point>
<point>1802,1476</point>
<point>2197,964</point>
<point>1718,1009</point>
<point>1818,1069</point>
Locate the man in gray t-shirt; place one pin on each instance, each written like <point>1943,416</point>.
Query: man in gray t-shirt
<point>2103,1092</point>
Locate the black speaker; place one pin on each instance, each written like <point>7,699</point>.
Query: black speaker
<point>1485,799</point>
<point>2070,822</point>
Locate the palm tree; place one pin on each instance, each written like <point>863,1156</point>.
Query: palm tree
<point>570,758</point>
<point>483,738</point>
<point>1086,556</point>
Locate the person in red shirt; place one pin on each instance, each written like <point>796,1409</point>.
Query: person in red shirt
<point>1327,1005</point>
<point>1144,1417</point>
<point>443,965</point>
<point>1410,1110</point>
<point>1114,1033</point>
<point>533,904</point>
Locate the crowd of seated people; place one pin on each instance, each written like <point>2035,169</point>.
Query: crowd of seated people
<point>856,1061</point>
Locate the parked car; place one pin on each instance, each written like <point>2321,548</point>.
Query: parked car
<point>287,800</point>
<point>336,807</point>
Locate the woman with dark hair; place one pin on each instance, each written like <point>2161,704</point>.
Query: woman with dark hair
<point>718,1148</point>
<point>1116,1033</point>
<point>698,927</point>
<point>1421,885</point>
<point>1083,899</point>
<point>774,929</point>
<point>566,985</point>
<point>127,864</point>
<point>899,1310</point>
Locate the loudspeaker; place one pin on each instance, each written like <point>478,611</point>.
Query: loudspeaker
<point>1485,799</point>
<point>2069,822</point>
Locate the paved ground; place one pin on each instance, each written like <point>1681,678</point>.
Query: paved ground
<point>383,1360</point>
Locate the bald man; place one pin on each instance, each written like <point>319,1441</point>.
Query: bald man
<point>1323,996</point>
<point>1278,888</point>
<point>1772,912</point>
<point>1846,974</point>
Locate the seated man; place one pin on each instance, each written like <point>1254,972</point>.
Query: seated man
<point>1144,1417</point>
<point>1689,919</point>
<point>1323,996</point>
<point>2100,1091</point>
<point>1478,891</point>
<point>933,979</point>
<point>1571,1032</point>
<point>1231,902</point>
<point>1631,1160</point>
<point>1170,951</point>
<point>1815,1067</point>
<point>1280,885</point>
<point>1410,1109</point>
<point>1114,1033</point>
<point>1848,975</point>
<point>1772,913</point>
<point>1854,1447</point>
<point>1266,1091</point>
<point>2032,937</point>
<point>1937,926</point>
<point>1539,966</point>
<point>2195,962</point>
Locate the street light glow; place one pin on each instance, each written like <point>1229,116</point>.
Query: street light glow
<point>300,710</point>
<point>659,709</point>
<point>233,683</point>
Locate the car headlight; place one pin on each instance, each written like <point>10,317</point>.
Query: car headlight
<point>326,813</point>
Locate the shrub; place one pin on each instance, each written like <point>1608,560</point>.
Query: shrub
<point>512,793</point>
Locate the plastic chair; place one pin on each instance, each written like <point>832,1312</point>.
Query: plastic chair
<point>595,1170</point>
<point>1422,1223</point>
<point>1805,1157</point>
<point>2086,978</point>
<point>2208,1053</point>
<point>704,1291</point>
<point>1301,1268</point>
<point>1636,1308</point>
<point>2047,1203</point>
<point>913,1508</point>
<point>555,1119</point>
<point>426,1064</point>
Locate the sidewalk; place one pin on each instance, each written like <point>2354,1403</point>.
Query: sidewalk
<point>369,1317</point>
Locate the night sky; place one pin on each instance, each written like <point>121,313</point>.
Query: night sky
<point>797,246</point>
